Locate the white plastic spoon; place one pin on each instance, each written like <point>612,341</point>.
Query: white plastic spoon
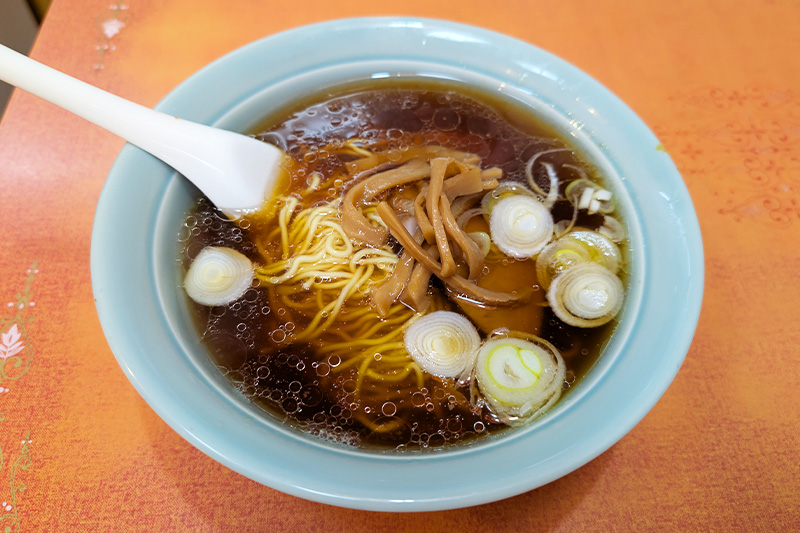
<point>234,171</point>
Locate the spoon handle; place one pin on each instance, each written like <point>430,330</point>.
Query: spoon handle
<point>233,170</point>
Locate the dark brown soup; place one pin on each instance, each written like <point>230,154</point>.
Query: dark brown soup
<point>350,380</point>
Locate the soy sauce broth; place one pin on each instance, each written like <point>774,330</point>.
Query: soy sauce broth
<point>292,382</point>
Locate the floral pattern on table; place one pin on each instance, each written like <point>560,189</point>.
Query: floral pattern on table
<point>16,358</point>
<point>753,149</point>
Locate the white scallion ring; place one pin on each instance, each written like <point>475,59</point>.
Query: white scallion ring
<point>613,229</point>
<point>573,248</point>
<point>520,226</point>
<point>443,343</point>
<point>519,379</point>
<point>505,189</point>
<point>586,295</point>
<point>588,195</point>
<point>218,276</point>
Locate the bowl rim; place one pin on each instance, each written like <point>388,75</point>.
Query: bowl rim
<point>392,40</point>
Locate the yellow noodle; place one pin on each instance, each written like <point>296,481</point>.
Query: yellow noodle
<point>299,306</point>
<point>316,180</point>
<point>400,357</point>
<point>352,322</point>
<point>370,315</point>
<point>371,352</point>
<point>330,310</point>
<point>283,222</point>
<point>356,312</point>
<point>381,427</point>
<point>351,148</point>
<point>404,373</point>
<point>370,329</point>
<point>420,376</point>
<point>324,278</point>
<point>362,368</point>
<point>347,364</point>
<point>365,342</point>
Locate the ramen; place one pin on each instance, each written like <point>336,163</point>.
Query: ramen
<point>440,266</point>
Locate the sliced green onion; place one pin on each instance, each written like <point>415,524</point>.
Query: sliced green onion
<point>519,379</point>
<point>443,343</point>
<point>586,194</point>
<point>483,241</point>
<point>218,276</point>
<point>520,226</point>
<point>469,214</point>
<point>602,250</point>
<point>612,229</point>
<point>586,295</point>
<point>506,189</point>
<point>574,190</point>
<point>586,197</point>
<point>561,228</point>
<point>577,247</point>
<point>603,195</point>
<point>552,192</point>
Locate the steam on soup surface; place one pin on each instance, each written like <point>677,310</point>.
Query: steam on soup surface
<point>441,265</point>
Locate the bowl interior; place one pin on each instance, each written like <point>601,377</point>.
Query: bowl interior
<point>180,195</point>
<point>137,279</point>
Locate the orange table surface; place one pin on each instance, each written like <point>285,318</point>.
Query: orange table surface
<point>717,81</point>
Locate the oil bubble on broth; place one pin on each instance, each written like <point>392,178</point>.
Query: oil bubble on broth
<point>442,265</point>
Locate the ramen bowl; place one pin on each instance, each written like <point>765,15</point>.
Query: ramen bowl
<point>137,280</point>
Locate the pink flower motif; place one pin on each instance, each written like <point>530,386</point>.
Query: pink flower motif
<point>11,343</point>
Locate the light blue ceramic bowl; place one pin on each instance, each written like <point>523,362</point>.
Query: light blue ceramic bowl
<point>146,320</point>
